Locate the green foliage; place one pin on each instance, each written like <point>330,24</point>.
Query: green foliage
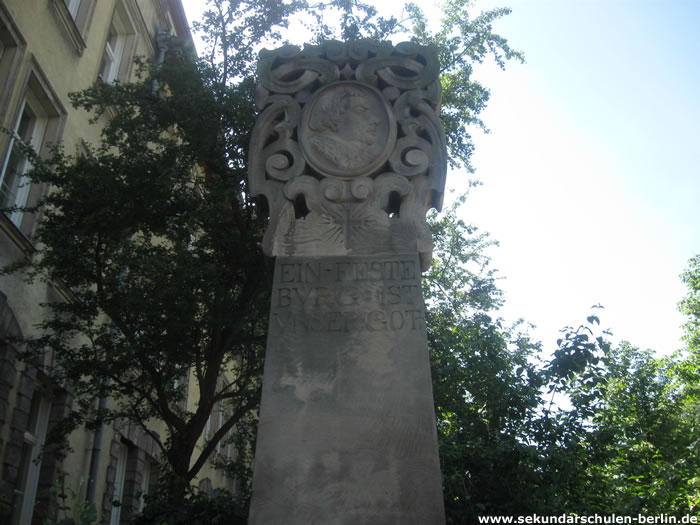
<point>164,273</point>
<point>689,367</point>
<point>647,435</point>
<point>348,20</point>
<point>690,306</point>
<point>462,42</point>
<point>77,510</point>
<point>162,266</point>
<point>483,385</point>
<point>592,429</point>
<point>165,276</point>
<point>161,261</point>
<point>240,465</point>
<point>196,508</point>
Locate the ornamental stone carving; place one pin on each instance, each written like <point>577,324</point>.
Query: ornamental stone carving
<point>348,149</point>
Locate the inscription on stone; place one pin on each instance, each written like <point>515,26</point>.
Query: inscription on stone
<point>344,296</point>
<point>347,431</point>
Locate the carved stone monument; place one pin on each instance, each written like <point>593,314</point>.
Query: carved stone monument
<point>349,153</point>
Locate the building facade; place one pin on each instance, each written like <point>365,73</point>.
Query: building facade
<point>49,48</point>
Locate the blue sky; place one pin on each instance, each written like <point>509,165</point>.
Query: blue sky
<point>591,176</point>
<point>591,172</point>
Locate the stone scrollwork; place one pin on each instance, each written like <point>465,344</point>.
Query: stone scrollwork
<point>348,148</point>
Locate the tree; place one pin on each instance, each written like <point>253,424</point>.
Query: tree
<point>592,429</point>
<point>484,385</point>
<point>161,262</point>
<point>462,42</point>
<point>689,367</point>
<point>505,448</point>
<point>155,238</point>
<point>690,306</point>
<point>643,437</point>
<point>167,281</point>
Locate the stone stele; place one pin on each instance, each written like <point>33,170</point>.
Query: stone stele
<point>349,153</point>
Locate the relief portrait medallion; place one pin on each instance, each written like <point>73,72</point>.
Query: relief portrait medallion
<point>347,130</point>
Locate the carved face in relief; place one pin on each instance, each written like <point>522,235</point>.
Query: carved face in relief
<point>347,130</point>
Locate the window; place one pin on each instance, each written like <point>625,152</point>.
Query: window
<point>171,23</point>
<point>73,6</point>
<point>118,47</point>
<point>131,474</point>
<point>31,129</point>
<point>30,464</point>
<point>75,16</point>
<point>12,47</point>
<point>38,121</point>
<point>145,484</point>
<point>221,423</point>
<point>111,58</point>
<point>119,478</point>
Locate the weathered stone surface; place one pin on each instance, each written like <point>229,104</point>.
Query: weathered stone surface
<point>348,149</point>
<point>347,430</point>
<point>349,153</point>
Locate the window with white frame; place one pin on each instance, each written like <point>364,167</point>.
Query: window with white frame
<point>75,17</point>
<point>221,423</point>
<point>73,6</point>
<point>30,463</point>
<point>12,46</point>
<point>231,452</point>
<point>119,478</point>
<point>145,484</point>
<point>30,128</point>
<point>171,23</point>
<point>118,46</point>
<point>38,120</point>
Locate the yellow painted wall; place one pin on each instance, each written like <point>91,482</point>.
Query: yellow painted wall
<point>52,53</point>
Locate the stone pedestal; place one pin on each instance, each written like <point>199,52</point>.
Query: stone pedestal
<point>349,154</point>
<point>347,431</point>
